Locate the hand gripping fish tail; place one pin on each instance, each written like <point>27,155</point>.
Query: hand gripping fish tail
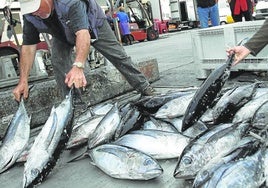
<point>207,93</point>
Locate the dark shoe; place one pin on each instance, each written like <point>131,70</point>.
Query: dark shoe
<point>149,91</point>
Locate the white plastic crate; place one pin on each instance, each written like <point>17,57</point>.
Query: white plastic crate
<point>210,44</point>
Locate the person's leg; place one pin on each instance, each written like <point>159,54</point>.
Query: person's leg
<point>110,48</point>
<point>237,18</point>
<point>203,16</point>
<point>129,39</point>
<point>214,15</point>
<point>61,60</point>
<point>247,15</point>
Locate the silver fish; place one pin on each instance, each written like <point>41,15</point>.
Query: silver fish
<point>260,117</point>
<point>175,107</point>
<point>39,156</point>
<point>160,125</point>
<point>246,112</point>
<point>16,138</point>
<point>232,101</point>
<point>243,173</point>
<point>80,134</point>
<point>197,129</point>
<point>105,130</point>
<point>241,150</point>
<point>212,143</point>
<point>128,122</point>
<point>49,143</point>
<point>125,163</point>
<point>175,122</point>
<point>153,103</point>
<point>158,144</point>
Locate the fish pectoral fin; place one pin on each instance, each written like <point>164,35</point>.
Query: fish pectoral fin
<point>91,162</point>
<point>81,155</point>
<point>8,164</point>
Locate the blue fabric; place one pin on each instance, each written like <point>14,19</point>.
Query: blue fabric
<point>123,22</point>
<point>206,13</point>
<point>124,28</point>
<point>122,16</point>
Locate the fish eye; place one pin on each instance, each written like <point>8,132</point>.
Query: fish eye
<point>205,174</point>
<point>147,162</point>
<point>187,160</point>
<point>34,172</point>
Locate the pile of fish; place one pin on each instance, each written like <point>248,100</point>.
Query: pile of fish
<point>224,135</point>
<point>224,146</point>
<point>41,156</point>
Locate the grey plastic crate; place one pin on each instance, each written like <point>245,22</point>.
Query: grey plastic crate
<point>210,44</point>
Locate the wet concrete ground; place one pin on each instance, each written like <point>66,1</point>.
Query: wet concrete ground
<point>177,70</point>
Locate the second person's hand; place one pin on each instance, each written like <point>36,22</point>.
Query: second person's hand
<point>241,52</point>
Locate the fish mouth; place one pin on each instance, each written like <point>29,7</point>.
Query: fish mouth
<point>179,175</point>
<point>153,173</point>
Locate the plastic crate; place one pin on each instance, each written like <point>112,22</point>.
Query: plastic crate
<point>210,44</point>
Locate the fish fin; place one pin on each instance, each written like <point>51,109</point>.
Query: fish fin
<point>81,155</point>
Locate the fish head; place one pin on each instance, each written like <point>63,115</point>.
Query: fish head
<point>30,176</point>
<point>186,168</point>
<point>201,178</point>
<point>145,166</point>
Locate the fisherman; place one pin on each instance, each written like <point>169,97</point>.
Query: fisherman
<point>253,46</point>
<point>73,24</point>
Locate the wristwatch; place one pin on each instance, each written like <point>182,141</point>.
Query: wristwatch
<point>79,65</point>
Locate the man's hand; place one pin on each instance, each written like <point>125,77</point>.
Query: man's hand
<point>77,77</point>
<point>241,52</point>
<point>21,89</point>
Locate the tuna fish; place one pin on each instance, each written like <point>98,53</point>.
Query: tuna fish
<point>105,130</point>
<point>243,173</point>
<point>175,107</point>
<point>130,121</point>
<point>125,163</point>
<point>206,94</point>
<point>249,109</point>
<point>49,143</point>
<point>153,103</point>
<point>211,144</point>
<point>158,144</point>
<point>16,138</point>
<point>80,134</point>
<point>154,124</point>
<point>246,146</point>
<point>260,117</point>
<point>232,101</point>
